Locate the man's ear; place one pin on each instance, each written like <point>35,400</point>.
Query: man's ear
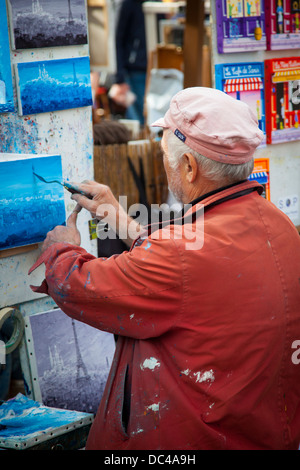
<point>190,167</point>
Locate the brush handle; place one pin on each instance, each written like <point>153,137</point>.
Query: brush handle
<point>74,190</point>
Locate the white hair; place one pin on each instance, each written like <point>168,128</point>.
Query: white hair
<point>212,170</point>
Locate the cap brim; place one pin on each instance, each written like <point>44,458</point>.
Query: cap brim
<point>159,123</point>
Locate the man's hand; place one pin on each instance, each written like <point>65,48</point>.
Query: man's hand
<point>64,234</point>
<point>104,205</point>
<point>103,202</point>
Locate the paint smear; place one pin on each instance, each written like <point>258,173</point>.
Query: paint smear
<point>150,363</point>
<point>138,431</point>
<point>154,407</point>
<point>207,376</point>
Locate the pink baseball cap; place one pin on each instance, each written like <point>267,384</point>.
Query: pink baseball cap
<point>214,124</point>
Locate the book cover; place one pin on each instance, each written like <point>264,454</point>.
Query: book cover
<point>240,25</point>
<point>261,174</point>
<point>282,97</point>
<point>282,24</point>
<point>244,81</point>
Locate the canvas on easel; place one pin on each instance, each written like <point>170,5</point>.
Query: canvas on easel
<point>29,208</point>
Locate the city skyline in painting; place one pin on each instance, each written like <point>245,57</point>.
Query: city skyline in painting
<point>53,85</point>
<point>71,359</point>
<point>40,23</point>
<point>29,208</point>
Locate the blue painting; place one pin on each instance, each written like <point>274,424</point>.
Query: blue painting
<point>44,23</point>
<point>29,208</point>
<point>25,423</point>
<point>6,88</point>
<point>54,85</point>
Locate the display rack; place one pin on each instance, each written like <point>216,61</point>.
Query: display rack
<point>243,48</point>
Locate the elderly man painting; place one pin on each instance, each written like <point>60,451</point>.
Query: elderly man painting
<point>204,352</point>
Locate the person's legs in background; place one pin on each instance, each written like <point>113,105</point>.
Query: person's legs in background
<point>137,83</point>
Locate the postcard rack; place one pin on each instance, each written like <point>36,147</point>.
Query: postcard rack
<point>256,59</point>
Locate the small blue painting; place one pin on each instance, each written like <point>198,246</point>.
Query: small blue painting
<point>6,88</point>
<point>25,423</point>
<point>54,85</point>
<point>29,208</point>
<point>44,23</point>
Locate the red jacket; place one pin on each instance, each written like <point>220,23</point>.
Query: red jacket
<point>204,355</point>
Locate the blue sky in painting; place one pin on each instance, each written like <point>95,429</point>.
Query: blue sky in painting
<point>5,67</point>
<point>54,85</point>
<point>29,208</point>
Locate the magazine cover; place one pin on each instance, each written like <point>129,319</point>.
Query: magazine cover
<point>282,24</point>
<point>244,81</point>
<point>282,84</point>
<point>261,174</point>
<point>240,25</point>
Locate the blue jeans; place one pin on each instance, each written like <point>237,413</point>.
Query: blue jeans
<point>137,83</point>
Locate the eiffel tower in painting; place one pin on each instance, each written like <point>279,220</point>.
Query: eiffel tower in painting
<point>82,373</point>
<point>70,19</point>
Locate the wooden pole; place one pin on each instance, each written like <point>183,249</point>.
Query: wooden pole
<point>193,43</point>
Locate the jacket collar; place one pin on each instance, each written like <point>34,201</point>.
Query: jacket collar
<point>205,202</point>
<point>213,198</point>
<point>216,191</point>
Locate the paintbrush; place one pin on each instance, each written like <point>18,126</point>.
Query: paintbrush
<point>69,187</point>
